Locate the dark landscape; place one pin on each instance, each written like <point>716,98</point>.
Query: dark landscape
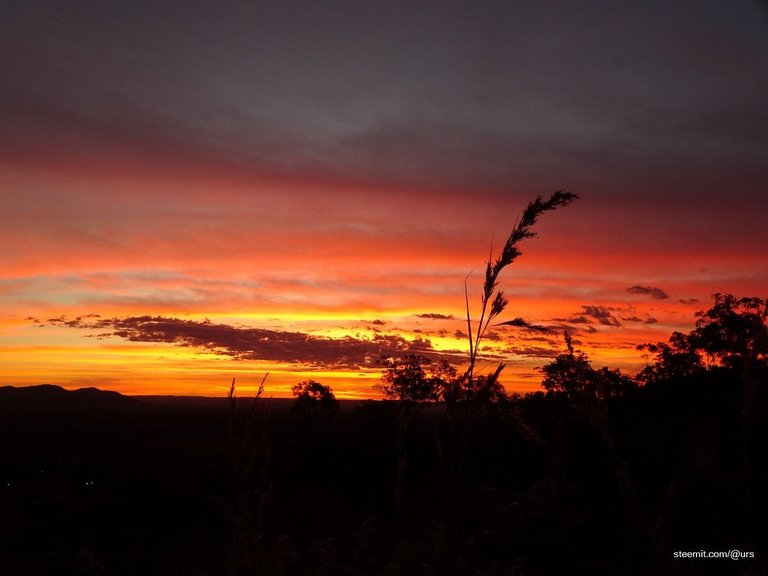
<point>596,474</point>
<point>258,308</point>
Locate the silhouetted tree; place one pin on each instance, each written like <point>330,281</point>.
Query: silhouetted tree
<point>572,374</point>
<point>569,373</point>
<point>676,359</point>
<point>733,331</point>
<point>612,383</point>
<point>314,400</point>
<point>414,380</point>
<point>484,389</point>
<point>732,334</point>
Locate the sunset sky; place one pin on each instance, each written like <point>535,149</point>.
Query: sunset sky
<point>193,191</point>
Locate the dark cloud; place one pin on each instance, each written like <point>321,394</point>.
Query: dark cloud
<point>574,320</point>
<point>78,322</point>
<point>613,345</point>
<point>435,316</point>
<point>523,324</point>
<point>474,104</point>
<point>532,351</point>
<point>603,315</point>
<point>259,343</point>
<point>655,293</point>
<point>535,346</point>
<point>636,319</point>
<point>376,322</point>
<point>562,325</point>
<point>689,301</point>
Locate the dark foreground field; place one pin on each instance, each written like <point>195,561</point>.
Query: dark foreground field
<point>179,488</point>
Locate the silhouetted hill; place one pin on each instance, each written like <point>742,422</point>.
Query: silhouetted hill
<point>50,398</point>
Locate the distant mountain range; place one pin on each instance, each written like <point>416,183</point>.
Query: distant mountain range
<point>50,398</point>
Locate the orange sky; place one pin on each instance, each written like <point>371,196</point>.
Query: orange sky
<point>187,197</point>
<point>331,265</point>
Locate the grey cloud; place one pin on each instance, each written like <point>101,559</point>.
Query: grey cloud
<point>574,320</point>
<point>636,319</point>
<point>492,93</point>
<point>435,316</point>
<point>603,315</point>
<point>572,329</point>
<point>655,293</point>
<point>533,351</point>
<point>259,343</point>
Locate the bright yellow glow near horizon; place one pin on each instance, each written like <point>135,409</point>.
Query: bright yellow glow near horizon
<point>165,368</point>
<point>339,272</point>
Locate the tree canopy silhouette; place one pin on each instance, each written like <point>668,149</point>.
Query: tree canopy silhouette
<point>733,331</point>
<point>730,334</point>
<point>415,379</point>
<point>314,400</point>
<point>572,374</point>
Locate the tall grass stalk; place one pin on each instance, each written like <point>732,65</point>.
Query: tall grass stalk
<point>492,300</point>
<point>466,397</point>
<point>244,454</point>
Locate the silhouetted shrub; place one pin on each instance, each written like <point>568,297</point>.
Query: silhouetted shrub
<point>313,400</point>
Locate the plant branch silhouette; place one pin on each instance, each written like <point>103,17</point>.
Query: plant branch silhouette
<point>245,454</point>
<point>493,301</point>
<point>467,396</point>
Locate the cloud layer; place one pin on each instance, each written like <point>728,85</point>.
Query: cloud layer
<point>297,348</point>
<point>652,292</point>
<point>319,180</point>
